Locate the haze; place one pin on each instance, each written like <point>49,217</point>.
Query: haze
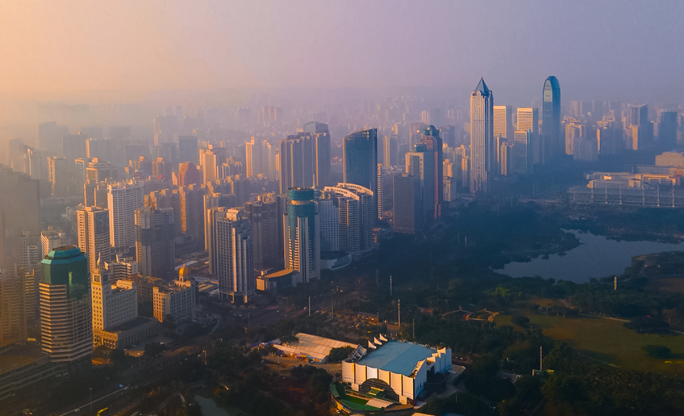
<point>126,49</point>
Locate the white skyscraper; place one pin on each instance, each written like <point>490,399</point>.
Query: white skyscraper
<point>93,235</point>
<point>235,256</point>
<point>124,198</point>
<point>330,228</point>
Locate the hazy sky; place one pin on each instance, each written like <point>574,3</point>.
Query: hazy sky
<point>55,47</point>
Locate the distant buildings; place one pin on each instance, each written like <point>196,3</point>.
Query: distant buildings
<point>18,213</point>
<point>408,204</point>
<point>123,199</point>
<point>154,246</point>
<point>93,235</point>
<point>352,225</point>
<point>305,158</point>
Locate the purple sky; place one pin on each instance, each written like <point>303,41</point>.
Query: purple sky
<point>606,49</point>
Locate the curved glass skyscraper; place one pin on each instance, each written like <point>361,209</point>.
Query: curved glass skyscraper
<point>552,141</point>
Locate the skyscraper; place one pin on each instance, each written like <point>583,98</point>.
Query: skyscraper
<point>391,151</point>
<point>188,149</point>
<point>321,152</point>
<point>65,307</point>
<point>503,121</point>
<point>360,162</point>
<point>192,211</point>
<point>302,234</point>
<point>528,120</point>
<point>305,158</point>
<point>408,205</point>
<point>640,128</point>
<point>58,176</point>
<point>433,143</point>
<point>667,130</point>
<point>93,235</point>
<point>482,152</point>
<point>263,217</point>
<point>235,256</point>
<point>552,137</point>
<point>355,217</point>
<point>18,213</point>
<point>420,164</point>
<point>154,246</point>
<point>15,304</point>
<point>123,199</point>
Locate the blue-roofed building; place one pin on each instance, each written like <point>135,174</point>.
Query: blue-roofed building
<point>400,369</point>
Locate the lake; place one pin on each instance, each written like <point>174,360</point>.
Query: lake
<point>596,256</point>
<point>209,407</point>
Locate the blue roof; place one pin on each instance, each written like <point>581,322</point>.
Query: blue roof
<point>397,357</point>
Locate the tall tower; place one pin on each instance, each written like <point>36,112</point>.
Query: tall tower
<point>420,164</point>
<point>65,310</point>
<point>302,234</point>
<point>360,162</point>
<point>154,246</point>
<point>482,152</point>
<point>433,143</point>
<point>321,152</point>
<point>123,199</point>
<point>263,216</point>
<point>552,141</point>
<point>58,176</point>
<point>235,252</point>
<point>93,235</point>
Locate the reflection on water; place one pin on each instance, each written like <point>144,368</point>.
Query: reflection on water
<point>209,408</point>
<point>596,256</point>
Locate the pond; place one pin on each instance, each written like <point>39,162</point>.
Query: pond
<point>210,408</point>
<point>596,256</point>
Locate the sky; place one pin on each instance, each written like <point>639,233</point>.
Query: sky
<point>59,48</point>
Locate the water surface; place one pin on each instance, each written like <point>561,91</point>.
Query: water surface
<point>209,407</point>
<point>596,256</point>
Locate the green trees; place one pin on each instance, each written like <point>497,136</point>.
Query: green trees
<point>521,321</point>
<point>339,354</point>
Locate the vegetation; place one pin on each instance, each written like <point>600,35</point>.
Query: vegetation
<point>339,354</point>
<point>657,351</point>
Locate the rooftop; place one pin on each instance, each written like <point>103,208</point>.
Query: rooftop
<point>397,357</point>
<point>20,357</point>
<point>126,326</point>
<point>313,346</point>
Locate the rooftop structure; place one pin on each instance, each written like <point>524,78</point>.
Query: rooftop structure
<point>313,346</point>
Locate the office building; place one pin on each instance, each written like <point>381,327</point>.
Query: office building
<point>415,133</point>
<point>482,151</point>
<point>52,238</point>
<point>503,121</point>
<point>302,234</point>
<point>522,152</point>
<point>65,306</point>
<point>154,246</point>
<point>14,306</point>
<point>320,152</point>
<point>235,256</point>
<point>18,213</point>
<point>50,136</point>
<point>391,151</point>
<point>74,147</point>
<point>360,162</point>
<point>188,149</point>
<point>420,164</point>
<point>260,159</point>
<point>192,211</point>
<point>433,144</point>
<point>176,302</point>
<point>552,137</point>
<point>34,164</point>
<point>305,158</point>
<point>328,220</point>
<point>123,199</point>
<point>640,129</point>
<point>263,217</point>
<point>355,217</point>
<point>408,214</point>
<point>528,120</point>
<point>93,235</point>
<point>167,198</point>
<point>58,176</point>
<point>121,268</point>
<point>112,305</point>
<point>667,130</point>
<point>165,129</point>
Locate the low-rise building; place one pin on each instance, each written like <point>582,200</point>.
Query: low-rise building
<point>313,347</point>
<point>177,301</point>
<point>23,365</point>
<point>277,280</point>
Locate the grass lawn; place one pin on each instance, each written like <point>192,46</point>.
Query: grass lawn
<point>609,341</point>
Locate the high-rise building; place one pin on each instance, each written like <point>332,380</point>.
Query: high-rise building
<point>167,198</point>
<point>391,151</point>
<point>123,199</point>
<point>503,121</point>
<point>433,143</point>
<point>360,162</point>
<point>302,234</point>
<point>408,205</point>
<point>121,268</point>
<point>552,137</point>
<point>640,128</point>
<point>192,211</point>
<point>235,256</point>
<point>420,164</point>
<point>177,301</point>
<point>65,306</point>
<point>50,136</point>
<point>321,152</point>
<point>165,127</point>
<point>74,147</point>
<point>34,164</point>
<point>188,149</point>
<point>188,174</point>
<point>260,158</point>
<point>667,130</point>
<point>415,133</point>
<point>58,175</point>
<point>482,151</point>
<point>19,205</point>
<point>154,246</point>
<point>93,235</point>
<point>14,305</point>
<point>528,120</point>
<point>522,152</point>
<point>215,200</point>
<point>355,217</point>
<point>112,305</point>
<point>263,217</point>
<point>328,220</point>
<point>209,161</point>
